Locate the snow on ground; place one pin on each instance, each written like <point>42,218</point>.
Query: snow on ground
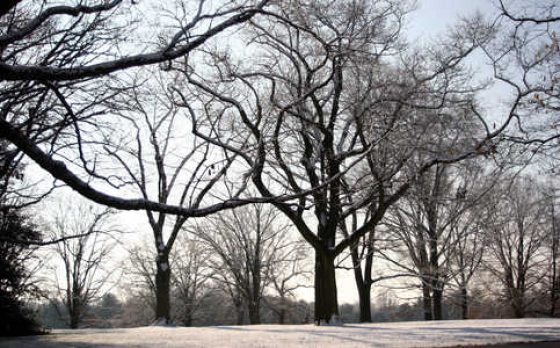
<point>385,335</point>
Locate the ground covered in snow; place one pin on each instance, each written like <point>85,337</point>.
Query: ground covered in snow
<point>386,335</point>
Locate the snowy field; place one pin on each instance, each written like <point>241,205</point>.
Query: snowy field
<point>386,335</point>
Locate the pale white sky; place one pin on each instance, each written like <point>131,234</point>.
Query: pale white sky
<point>432,17</point>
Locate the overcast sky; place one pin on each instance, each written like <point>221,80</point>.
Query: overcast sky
<point>432,17</point>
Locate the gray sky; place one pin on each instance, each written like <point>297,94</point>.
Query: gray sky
<point>432,17</point>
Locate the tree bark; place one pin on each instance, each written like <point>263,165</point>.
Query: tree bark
<point>426,300</point>
<point>75,314</point>
<point>363,281</point>
<point>364,294</point>
<point>464,303</point>
<point>437,299</point>
<point>326,303</point>
<point>163,277</point>
<point>75,308</point>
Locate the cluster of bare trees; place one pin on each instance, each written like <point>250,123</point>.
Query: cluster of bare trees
<point>316,110</point>
<point>246,254</point>
<point>496,235</point>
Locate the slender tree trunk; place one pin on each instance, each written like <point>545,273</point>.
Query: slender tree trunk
<point>435,281</point>
<point>75,307</point>
<point>364,289</point>
<point>464,303</point>
<point>163,277</point>
<point>363,281</point>
<point>555,281</point>
<point>326,303</point>
<point>426,300</point>
<point>555,294</point>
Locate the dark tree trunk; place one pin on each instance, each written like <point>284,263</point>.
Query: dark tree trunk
<point>187,317</point>
<point>363,280</point>
<point>282,316</point>
<point>437,299</point>
<point>254,312</point>
<point>555,294</point>
<point>364,290</point>
<point>326,303</point>
<point>518,306</point>
<point>163,277</point>
<point>75,317</point>
<point>240,314</point>
<point>426,300</point>
<point>364,294</point>
<point>187,320</point>
<point>464,303</point>
<point>75,307</point>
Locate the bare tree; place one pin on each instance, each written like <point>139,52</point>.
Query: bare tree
<point>516,238</point>
<point>83,270</point>
<point>300,104</point>
<point>291,271</point>
<point>190,280</point>
<point>192,277</point>
<point>155,158</point>
<point>251,246</point>
<point>525,56</point>
<point>552,280</point>
<point>437,224</point>
<point>467,252</point>
<point>52,95</point>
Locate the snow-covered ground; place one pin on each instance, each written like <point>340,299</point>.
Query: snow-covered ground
<point>386,335</point>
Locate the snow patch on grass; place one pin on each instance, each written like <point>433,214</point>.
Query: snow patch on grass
<point>386,335</point>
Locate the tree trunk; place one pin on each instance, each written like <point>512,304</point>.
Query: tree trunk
<point>75,318</point>
<point>364,289</point>
<point>254,313</point>
<point>163,276</point>
<point>326,304</point>
<point>426,300</point>
<point>187,320</point>
<point>75,308</point>
<point>364,294</point>
<point>363,280</point>
<point>240,314</point>
<point>518,306</point>
<point>464,303</point>
<point>437,299</point>
<point>282,316</point>
<point>187,315</point>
